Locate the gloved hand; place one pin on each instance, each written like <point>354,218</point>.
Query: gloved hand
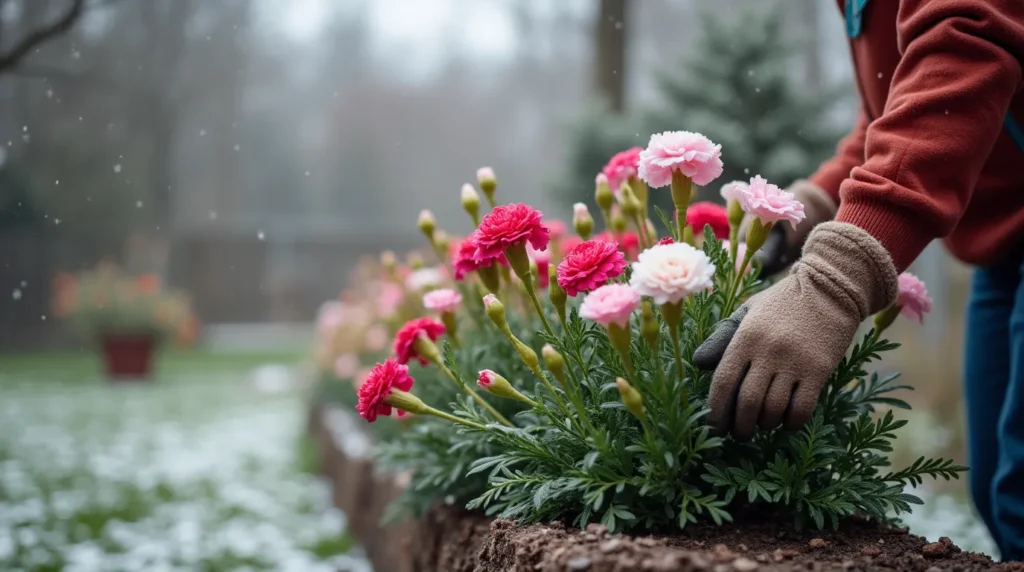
<point>774,354</point>
<point>784,243</point>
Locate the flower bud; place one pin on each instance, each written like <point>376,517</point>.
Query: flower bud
<point>631,398</point>
<point>630,204</point>
<point>554,362</point>
<point>556,294</point>
<point>471,202</point>
<point>498,385</point>
<point>488,183</point>
<point>603,192</point>
<point>405,401</point>
<point>495,310</point>
<point>885,318</point>
<point>619,222</point>
<point>442,241</point>
<point>428,349</point>
<point>649,326</point>
<point>427,224</point>
<point>415,261</point>
<point>735,213</point>
<point>582,221</point>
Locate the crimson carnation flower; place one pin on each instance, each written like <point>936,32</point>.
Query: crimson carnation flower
<point>464,262</point>
<point>702,213</point>
<point>506,226</point>
<point>378,385</point>
<point>621,167</point>
<point>590,265</point>
<point>405,339</point>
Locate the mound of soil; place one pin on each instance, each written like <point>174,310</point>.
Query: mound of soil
<point>452,540</point>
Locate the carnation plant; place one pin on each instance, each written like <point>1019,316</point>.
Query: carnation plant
<point>587,405</point>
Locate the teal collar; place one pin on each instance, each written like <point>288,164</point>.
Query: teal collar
<point>854,15</point>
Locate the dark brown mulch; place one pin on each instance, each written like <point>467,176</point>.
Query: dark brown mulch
<point>453,540</point>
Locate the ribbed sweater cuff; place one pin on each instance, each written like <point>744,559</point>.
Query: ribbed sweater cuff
<point>900,232</point>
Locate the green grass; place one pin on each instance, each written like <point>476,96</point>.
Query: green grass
<point>197,471</point>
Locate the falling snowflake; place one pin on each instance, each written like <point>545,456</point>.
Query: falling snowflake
<point>237,146</point>
<point>746,170</point>
<point>24,283</point>
<point>880,75</point>
<point>213,215</point>
<point>307,173</point>
<point>117,168</point>
<point>16,294</point>
<point>260,235</point>
<point>138,204</point>
<point>49,93</point>
<point>43,317</point>
<point>202,133</point>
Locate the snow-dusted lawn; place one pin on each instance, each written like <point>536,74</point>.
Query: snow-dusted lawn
<point>198,471</point>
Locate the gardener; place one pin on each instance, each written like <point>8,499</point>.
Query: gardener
<point>936,152</point>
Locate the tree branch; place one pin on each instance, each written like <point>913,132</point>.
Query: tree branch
<point>37,37</point>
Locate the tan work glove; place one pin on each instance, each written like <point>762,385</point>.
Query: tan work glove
<point>783,245</point>
<point>775,353</point>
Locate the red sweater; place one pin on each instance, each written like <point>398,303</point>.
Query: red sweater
<point>929,156</point>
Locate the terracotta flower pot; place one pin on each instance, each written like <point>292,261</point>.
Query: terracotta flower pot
<point>128,356</point>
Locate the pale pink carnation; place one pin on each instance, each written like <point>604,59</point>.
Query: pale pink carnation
<point>692,154</point>
<point>621,168</point>
<point>610,304</point>
<point>346,366</point>
<point>768,202</point>
<point>913,300</point>
<point>443,300</point>
<point>670,272</point>
<point>731,191</point>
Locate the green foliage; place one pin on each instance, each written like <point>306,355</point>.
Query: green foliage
<point>738,87</point>
<point>580,456</point>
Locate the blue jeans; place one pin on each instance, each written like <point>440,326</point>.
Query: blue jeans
<point>994,391</point>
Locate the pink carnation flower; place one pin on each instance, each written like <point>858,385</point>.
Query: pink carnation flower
<point>590,265</point>
<point>913,299</point>
<point>442,300</point>
<point>464,260</point>
<point>767,202</point>
<point>373,393</point>
<point>405,339</point>
<point>670,272</point>
<point>621,167</point>
<point>731,191</point>
<point>692,154</point>
<point>507,226</point>
<point>610,304</point>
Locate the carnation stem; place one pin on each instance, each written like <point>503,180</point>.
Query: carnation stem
<point>730,300</point>
<point>734,243</point>
<point>641,227</point>
<point>682,189</point>
<point>673,316</point>
<point>469,391</point>
<point>520,263</point>
<point>454,419</point>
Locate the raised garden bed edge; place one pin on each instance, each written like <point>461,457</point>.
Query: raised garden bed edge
<point>452,540</point>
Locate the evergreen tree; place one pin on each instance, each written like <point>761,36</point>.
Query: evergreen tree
<point>739,87</point>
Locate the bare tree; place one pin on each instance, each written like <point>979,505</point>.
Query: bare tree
<point>610,53</point>
<point>31,39</point>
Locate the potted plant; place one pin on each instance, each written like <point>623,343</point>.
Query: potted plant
<point>127,316</point>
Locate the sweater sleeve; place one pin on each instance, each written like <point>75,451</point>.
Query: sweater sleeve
<point>849,154</point>
<point>959,70</point>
